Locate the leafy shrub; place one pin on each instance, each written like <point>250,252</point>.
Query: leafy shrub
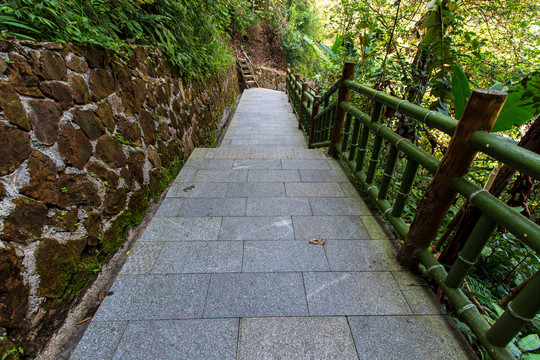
<point>189,33</point>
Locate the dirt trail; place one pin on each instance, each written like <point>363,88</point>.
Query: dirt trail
<point>262,46</point>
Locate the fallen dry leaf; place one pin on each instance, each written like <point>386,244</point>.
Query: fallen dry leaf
<point>317,241</point>
<point>83,321</point>
<point>101,296</point>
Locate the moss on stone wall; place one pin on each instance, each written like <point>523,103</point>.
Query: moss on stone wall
<point>86,144</point>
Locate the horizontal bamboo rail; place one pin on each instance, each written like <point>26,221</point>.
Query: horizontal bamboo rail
<point>352,135</point>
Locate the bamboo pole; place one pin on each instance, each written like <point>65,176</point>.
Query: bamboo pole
<point>314,113</point>
<point>287,77</point>
<point>339,119</point>
<point>302,99</point>
<point>520,311</point>
<point>480,114</point>
<point>295,93</point>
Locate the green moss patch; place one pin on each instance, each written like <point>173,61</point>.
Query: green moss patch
<point>56,263</point>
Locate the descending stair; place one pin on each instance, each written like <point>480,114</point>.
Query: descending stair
<point>246,70</point>
<point>247,74</point>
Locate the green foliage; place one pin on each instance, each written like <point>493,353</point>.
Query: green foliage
<point>522,104</point>
<point>8,21</point>
<point>296,23</point>
<point>14,353</point>
<point>190,33</point>
<point>529,342</point>
<point>460,90</point>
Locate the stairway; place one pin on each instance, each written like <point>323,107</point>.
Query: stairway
<point>247,73</point>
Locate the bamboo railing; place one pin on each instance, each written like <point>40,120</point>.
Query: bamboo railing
<point>346,131</point>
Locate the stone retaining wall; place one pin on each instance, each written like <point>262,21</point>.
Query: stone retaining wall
<point>269,78</point>
<point>86,142</point>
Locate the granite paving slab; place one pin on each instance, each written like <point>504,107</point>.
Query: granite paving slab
<point>419,295</point>
<point>182,229</point>
<point>283,256</point>
<point>169,207</point>
<point>296,338</point>
<point>277,206</point>
<point>329,227</point>
<point>191,189</point>
<point>273,176</point>
<point>257,228</point>
<point>200,206</point>
<point>408,337</point>
<point>179,339</point>
<point>224,269</point>
<point>323,176</point>
<point>263,164</point>
<point>255,294</point>
<point>298,189</point>
<point>142,258</point>
<point>354,293</point>
<point>221,176</point>
<point>338,206</point>
<point>100,340</point>
<point>361,255</point>
<point>143,297</point>
<point>255,190</point>
<point>199,257</point>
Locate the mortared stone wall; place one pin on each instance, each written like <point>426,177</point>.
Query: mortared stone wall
<point>86,142</point>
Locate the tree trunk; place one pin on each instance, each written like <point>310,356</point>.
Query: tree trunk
<point>529,141</point>
<point>514,292</point>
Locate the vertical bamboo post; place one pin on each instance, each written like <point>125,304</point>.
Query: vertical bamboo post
<point>314,112</point>
<point>302,99</point>
<point>480,114</point>
<point>339,119</point>
<point>296,80</point>
<point>519,312</point>
<point>287,78</point>
<point>290,85</point>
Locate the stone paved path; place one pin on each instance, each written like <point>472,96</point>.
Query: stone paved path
<point>224,270</point>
